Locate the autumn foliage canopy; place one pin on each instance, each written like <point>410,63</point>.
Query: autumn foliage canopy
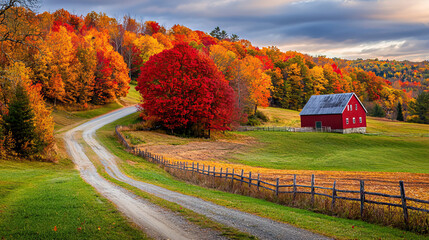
<point>184,91</point>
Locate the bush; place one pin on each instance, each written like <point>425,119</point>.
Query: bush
<point>262,116</point>
<point>253,121</point>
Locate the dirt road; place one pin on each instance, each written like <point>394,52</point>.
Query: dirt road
<point>160,223</point>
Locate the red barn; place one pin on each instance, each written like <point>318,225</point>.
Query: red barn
<point>342,112</point>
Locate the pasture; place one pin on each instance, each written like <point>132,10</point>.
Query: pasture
<point>332,226</point>
<point>51,201</point>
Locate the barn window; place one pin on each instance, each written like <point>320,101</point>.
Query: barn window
<point>347,120</point>
<point>360,119</point>
<point>354,120</point>
<point>356,106</point>
<point>348,108</point>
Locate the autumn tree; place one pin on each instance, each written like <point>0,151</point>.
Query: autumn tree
<point>184,91</point>
<point>152,27</point>
<point>147,47</point>
<point>222,58</point>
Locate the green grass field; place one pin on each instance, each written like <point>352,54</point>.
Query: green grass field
<point>37,197</point>
<point>339,152</point>
<point>336,227</point>
<point>397,147</point>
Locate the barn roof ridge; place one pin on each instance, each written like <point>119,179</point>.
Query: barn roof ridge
<point>328,104</point>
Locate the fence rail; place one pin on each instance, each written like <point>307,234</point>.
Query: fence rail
<point>250,180</point>
<point>283,129</point>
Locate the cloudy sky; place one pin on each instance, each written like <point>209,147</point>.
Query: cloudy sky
<point>384,29</point>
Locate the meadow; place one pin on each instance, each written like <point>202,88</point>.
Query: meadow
<point>331,226</point>
<point>51,201</point>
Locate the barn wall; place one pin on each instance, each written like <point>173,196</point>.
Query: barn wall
<point>360,112</point>
<point>335,121</point>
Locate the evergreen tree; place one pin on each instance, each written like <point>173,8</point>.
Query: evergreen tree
<point>400,115</point>
<point>378,111</point>
<point>20,123</point>
<point>420,108</point>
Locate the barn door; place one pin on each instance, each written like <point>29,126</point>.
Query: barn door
<point>318,125</point>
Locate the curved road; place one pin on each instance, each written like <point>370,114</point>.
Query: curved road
<point>147,215</point>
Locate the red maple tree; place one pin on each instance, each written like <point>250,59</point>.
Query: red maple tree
<point>184,91</point>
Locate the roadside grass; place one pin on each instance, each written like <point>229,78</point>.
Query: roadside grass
<point>36,198</point>
<point>133,97</point>
<point>339,228</point>
<point>63,118</point>
<point>98,111</point>
<point>190,215</point>
<point>339,152</point>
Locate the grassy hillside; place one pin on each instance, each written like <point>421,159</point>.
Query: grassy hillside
<point>393,147</point>
<point>37,197</point>
<point>328,151</point>
<point>64,118</point>
<point>138,168</point>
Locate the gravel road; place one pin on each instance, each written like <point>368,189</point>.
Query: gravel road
<point>127,203</point>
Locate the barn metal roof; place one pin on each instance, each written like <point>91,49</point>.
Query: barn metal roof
<point>328,104</point>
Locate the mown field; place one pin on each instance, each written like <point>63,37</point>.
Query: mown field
<point>327,225</point>
<point>51,201</point>
<point>391,146</point>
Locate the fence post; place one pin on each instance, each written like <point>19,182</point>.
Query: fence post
<point>362,197</point>
<point>294,187</point>
<point>242,171</point>
<point>214,171</point>
<point>312,190</point>
<point>250,179</point>
<point>226,174</point>
<point>277,187</point>
<point>232,178</point>
<point>208,171</point>
<point>334,193</point>
<point>404,202</point>
<point>259,182</point>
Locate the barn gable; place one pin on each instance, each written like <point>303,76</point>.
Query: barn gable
<point>328,104</point>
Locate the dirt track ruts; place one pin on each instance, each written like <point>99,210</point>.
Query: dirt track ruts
<point>159,225</point>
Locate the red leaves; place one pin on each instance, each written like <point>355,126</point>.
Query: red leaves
<point>266,62</point>
<point>58,24</point>
<point>154,26</point>
<point>337,70</point>
<point>182,88</point>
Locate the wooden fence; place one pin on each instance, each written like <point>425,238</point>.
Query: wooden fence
<point>283,129</point>
<point>255,180</point>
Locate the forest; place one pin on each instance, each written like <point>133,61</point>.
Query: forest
<point>190,80</point>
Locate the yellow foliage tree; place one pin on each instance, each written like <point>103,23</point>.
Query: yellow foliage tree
<point>148,46</point>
